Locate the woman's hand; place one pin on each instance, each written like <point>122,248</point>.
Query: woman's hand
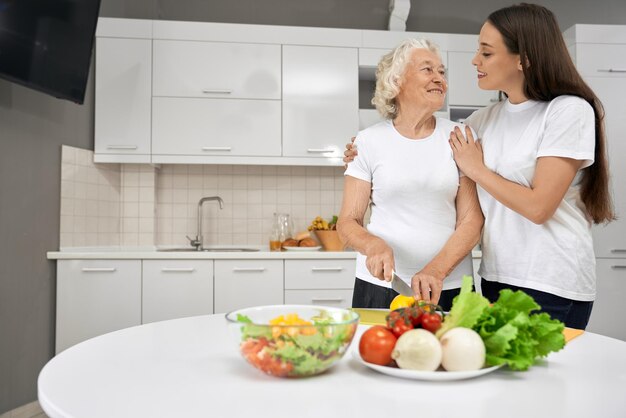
<point>379,261</point>
<point>426,287</point>
<point>350,152</point>
<point>468,153</point>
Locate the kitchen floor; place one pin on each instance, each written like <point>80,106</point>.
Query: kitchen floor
<point>31,410</point>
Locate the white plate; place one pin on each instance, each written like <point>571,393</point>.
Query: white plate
<point>439,375</point>
<point>302,248</point>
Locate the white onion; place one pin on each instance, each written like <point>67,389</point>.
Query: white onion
<point>462,350</point>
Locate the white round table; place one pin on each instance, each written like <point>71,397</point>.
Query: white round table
<point>191,368</point>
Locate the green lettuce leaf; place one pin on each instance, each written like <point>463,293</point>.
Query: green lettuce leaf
<point>467,307</point>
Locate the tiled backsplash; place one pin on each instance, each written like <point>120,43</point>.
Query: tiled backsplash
<point>251,195</point>
<point>139,205</point>
<point>90,200</point>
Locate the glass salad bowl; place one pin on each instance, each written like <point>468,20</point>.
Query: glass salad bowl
<point>293,340</point>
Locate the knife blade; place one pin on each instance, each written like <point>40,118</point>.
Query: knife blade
<point>399,285</point>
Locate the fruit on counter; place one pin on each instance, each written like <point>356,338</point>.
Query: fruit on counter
<point>399,323</point>
<point>376,345</point>
<point>320,224</point>
<point>401,301</point>
<point>462,350</point>
<point>417,349</point>
<point>431,321</point>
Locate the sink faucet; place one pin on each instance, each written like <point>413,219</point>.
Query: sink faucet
<point>198,241</point>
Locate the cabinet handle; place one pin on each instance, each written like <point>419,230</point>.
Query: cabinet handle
<point>618,267</point>
<point>326,268</point>
<point>618,250</point>
<point>211,91</point>
<point>216,148</point>
<point>121,146</point>
<point>248,269</point>
<point>612,70</point>
<point>178,269</point>
<point>317,300</point>
<point>319,150</point>
<point>99,269</point>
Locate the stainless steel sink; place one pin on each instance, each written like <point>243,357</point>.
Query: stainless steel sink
<point>210,249</point>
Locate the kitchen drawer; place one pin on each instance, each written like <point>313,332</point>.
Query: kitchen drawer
<point>601,60</point>
<point>216,69</point>
<point>216,127</point>
<point>340,298</point>
<point>176,289</point>
<point>320,274</point>
<point>245,283</point>
<point>609,309</point>
<point>95,297</point>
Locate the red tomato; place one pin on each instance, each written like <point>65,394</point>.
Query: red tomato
<point>431,322</point>
<point>376,345</point>
<point>415,315</point>
<point>398,321</point>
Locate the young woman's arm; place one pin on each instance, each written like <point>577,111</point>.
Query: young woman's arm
<point>537,203</point>
<point>428,282</point>
<point>356,198</point>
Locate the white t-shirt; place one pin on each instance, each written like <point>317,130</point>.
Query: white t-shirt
<point>556,257</point>
<point>414,187</point>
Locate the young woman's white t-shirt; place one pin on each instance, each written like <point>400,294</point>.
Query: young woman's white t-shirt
<point>556,257</point>
<point>413,200</point>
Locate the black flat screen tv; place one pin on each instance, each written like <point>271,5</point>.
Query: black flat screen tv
<point>46,44</point>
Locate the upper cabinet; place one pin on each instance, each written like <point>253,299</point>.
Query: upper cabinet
<point>122,105</point>
<point>217,93</point>
<point>215,99</point>
<point>216,70</point>
<point>320,100</point>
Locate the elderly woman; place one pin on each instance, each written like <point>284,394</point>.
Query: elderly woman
<point>425,217</point>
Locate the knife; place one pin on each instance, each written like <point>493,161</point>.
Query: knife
<point>399,285</point>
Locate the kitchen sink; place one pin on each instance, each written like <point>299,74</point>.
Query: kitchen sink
<point>210,249</point>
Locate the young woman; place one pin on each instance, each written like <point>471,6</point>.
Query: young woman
<point>540,166</point>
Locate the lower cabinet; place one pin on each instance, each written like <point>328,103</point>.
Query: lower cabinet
<point>95,297</point>
<point>245,283</point>
<point>609,309</point>
<point>176,289</point>
<point>320,282</point>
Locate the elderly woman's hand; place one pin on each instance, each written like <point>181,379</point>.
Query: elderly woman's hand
<point>350,152</point>
<point>426,287</point>
<point>379,261</point>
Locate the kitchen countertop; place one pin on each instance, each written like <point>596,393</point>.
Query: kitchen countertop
<point>147,253</point>
<point>191,368</point>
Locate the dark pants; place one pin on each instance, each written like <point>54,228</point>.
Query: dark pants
<point>573,313</point>
<point>368,295</point>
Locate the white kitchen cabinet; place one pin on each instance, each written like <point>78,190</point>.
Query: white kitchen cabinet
<point>610,239</point>
<point>320,282</point>
<point>463,87</point>
<point>176,289</point>
<point>216,69</point>
<point>320,100</point>
<point>209,127</point>
<point>123,95</point>
<point>95,297</point>
<point>609,309</point>
<point>245,283</point>
<point>599,53</point>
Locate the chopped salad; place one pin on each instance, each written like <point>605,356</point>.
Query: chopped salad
<point>291,346</point>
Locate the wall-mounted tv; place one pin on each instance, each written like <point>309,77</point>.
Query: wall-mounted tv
<point>46,44</point>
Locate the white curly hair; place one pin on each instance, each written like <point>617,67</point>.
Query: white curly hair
<point>389,74</point>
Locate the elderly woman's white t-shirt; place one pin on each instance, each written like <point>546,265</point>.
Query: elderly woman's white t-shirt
<point>413,199</point>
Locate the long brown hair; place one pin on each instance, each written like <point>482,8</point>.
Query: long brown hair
<point>532,32</point>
